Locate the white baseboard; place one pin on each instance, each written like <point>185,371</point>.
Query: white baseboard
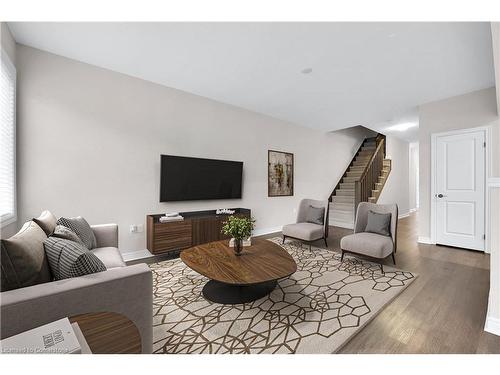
<point>134,255</point>
<point>413,210</point>
<point>492,325</point>
<point>341,224</point>
<point>263,231</point>
<point>403,215</point>
<point>425,240</point>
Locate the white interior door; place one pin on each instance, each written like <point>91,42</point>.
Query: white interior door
<point>460,190</point>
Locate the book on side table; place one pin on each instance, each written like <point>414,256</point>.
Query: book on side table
<point>59,337</point>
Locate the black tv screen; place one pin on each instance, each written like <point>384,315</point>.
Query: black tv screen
<point>184,179</point>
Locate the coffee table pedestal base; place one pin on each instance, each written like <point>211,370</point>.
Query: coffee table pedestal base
<point>218,292</point>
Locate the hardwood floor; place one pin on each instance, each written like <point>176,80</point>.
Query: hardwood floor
<point>443,311</point>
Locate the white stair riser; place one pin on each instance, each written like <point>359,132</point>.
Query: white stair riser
<point>343,192</point>
<point>344,206</point>
<point>354,174</point>
<point>342,199</point>
<point>347,185</point>
<point>341,224</point>
<point>350,179</point>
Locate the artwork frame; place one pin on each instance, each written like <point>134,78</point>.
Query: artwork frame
<point>280,173</point>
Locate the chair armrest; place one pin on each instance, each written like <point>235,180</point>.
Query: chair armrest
<point>125,290</point>
<point>106,235</point>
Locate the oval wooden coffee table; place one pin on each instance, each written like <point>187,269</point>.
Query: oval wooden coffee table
<point>239,279</point>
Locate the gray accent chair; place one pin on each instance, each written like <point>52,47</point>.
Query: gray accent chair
<point>127,290</point>
<point>304,231</point>
<point>372,245</point>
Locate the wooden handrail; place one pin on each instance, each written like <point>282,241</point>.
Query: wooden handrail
<point>365,171</point>
<point>364,186</point>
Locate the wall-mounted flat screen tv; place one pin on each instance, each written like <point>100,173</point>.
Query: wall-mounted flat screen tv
<point>184,179</point>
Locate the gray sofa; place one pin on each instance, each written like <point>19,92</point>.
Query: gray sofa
<point>122,289</point>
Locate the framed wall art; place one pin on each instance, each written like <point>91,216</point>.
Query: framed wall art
<point>279,174</point>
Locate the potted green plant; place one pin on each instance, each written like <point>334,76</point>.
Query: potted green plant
<point>238,228</point>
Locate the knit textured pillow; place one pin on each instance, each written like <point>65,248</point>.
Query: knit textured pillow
<point>70,259</point>
<point>82,229</point>
<point>65,233</point>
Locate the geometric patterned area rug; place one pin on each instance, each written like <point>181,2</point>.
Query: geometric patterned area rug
<point>315,310</point>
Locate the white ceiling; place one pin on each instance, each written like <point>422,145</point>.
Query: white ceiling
<point>362,73</point>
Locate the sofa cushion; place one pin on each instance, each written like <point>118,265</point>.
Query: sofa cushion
<point>46,221</point>
<point>315,215</point>
<point>23,259</point>
<point>70,259</point>
<point>83,230</point>
<point>64,232</point>
<point>370,244</point>
<point>110,256</point>
<point>378,223</point>
<point>304,231</point>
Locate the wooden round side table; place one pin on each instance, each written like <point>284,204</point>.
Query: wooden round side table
<point>109,333</point>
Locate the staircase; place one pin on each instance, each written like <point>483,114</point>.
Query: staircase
<point>362,181</point>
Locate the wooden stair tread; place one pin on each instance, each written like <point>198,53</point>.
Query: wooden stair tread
<point>343,197</point>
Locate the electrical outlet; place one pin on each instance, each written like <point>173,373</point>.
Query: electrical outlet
<point>136,228</point>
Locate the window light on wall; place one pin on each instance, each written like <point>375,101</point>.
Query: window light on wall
<point>8,212</point>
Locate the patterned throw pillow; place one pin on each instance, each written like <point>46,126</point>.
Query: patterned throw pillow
<point>70,259</point>
<point>82,229</point>
<point>65,233</point>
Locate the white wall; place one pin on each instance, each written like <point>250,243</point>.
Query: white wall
<point>413,176</point>
<point>495,39</point>
<point>396,189</point>
<point>471,110</point>
<point>90,142</point>
<point>493,318</point>
<point>8,43</point>
<point>9,46</point>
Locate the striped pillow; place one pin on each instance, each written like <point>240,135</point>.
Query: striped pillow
<point>70,259</point>
<point>82,229</point>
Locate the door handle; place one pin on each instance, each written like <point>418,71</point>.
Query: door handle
<point>440,196</point>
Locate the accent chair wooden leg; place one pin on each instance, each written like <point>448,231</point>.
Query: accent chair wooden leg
<point>382,268</point>
<point>326,243</point>
<point>393,259</point>
<point>309,246</point>
<point>342,256</point>
<point>284,239</point>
